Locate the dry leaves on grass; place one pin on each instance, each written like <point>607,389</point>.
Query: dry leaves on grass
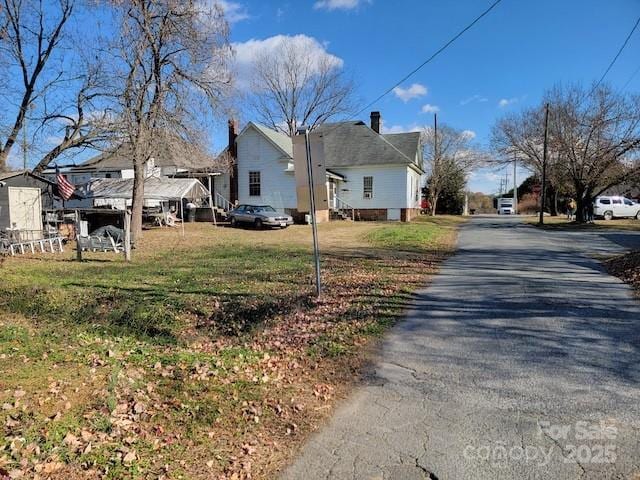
<point>627,268</point>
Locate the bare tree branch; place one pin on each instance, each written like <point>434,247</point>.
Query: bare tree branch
<point>292,88</point>
<point>172,60</point>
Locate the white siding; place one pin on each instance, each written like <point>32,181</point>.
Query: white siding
<point>414,184</point>
<point>221,185</point>
<point>390,189</point>
<point>257,154</point>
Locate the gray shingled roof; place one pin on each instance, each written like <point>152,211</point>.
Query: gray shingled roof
<point>348,144</point>
<point>407,143</point>
<point>15,173</point>
<point>167,154</point>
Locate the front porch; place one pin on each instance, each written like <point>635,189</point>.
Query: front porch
<point>338,208</point>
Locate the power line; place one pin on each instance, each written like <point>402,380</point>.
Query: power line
<point>617,55</point>
<point>633,75</point>
<point>432,57</point>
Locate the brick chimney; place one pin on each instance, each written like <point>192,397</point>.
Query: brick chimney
<point>233,151</point>
<point>233,134</point>
<point>375,121</point>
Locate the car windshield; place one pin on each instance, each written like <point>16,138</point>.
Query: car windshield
<point>263,208</point>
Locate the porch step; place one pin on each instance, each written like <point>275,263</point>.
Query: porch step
<point>334,215</point>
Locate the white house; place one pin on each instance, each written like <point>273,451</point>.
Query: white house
<point>370,175</point>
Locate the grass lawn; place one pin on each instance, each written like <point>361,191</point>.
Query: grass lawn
<point>206,357</point>
<point>561,223</point>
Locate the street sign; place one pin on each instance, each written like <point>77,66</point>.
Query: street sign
<point>311,169</point>
<point>319,172</point>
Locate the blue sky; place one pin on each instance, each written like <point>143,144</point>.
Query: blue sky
<point>504,63</point>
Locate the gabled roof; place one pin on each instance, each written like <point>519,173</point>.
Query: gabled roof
<point>407,143</point>
<point>280,140</point>
<point>349,144</point>
<point>15,173</point>
<point>179,154</point>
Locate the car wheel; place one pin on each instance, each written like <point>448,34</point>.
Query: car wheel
<point>234,222</point>
<point>638,215</point>
<point>608,215</point>
<point>258,224</point>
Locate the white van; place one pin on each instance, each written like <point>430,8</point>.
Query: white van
<point>615,207</point>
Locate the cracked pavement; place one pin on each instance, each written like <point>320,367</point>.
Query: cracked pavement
<point>521,360</point>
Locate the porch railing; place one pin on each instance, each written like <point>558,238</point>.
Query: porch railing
<point>223,203</point>
<point>344,208</point>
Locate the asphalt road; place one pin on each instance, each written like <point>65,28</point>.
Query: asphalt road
<point>520,361</point>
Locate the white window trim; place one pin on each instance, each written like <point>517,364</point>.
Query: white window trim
<point>364,192</point>
<point>259,183</point>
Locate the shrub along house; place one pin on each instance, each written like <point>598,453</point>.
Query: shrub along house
<point>370,175</point>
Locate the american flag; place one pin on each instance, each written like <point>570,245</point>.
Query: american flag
<point>65,187</point>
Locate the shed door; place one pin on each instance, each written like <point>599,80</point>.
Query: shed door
<point>25,211</point>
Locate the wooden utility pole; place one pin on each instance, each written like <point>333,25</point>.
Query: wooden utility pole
<point>515,184</point>
<point>435,157</point>
<point>544,163</point>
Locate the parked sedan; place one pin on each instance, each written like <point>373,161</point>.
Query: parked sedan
<point>259,216</point>
<point>616,207</point>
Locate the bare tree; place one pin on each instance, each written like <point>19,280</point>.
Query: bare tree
<point>171,69</point>
<point>83,119</point>
<point>28,38</point>
<point>293,87</point>
<point>520,135</point>
<point>594,140</point>
<point>46,81</point>
<point>448,155</point>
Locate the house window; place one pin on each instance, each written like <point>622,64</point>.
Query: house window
<point>254,184</point>
<point>367,187</point>
<point>417,190</point>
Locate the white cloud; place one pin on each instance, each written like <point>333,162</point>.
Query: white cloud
<point>247,53</point>
<point>492,177</point>
<point>338,4</point>
<point>428,108</point>
<point>233,11</point>
<point>473,98</point>
<point>470,134</point>
<point>505,102</point>
<point>393,129</point>
<point>414,91</point>
<point>403,129</point>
